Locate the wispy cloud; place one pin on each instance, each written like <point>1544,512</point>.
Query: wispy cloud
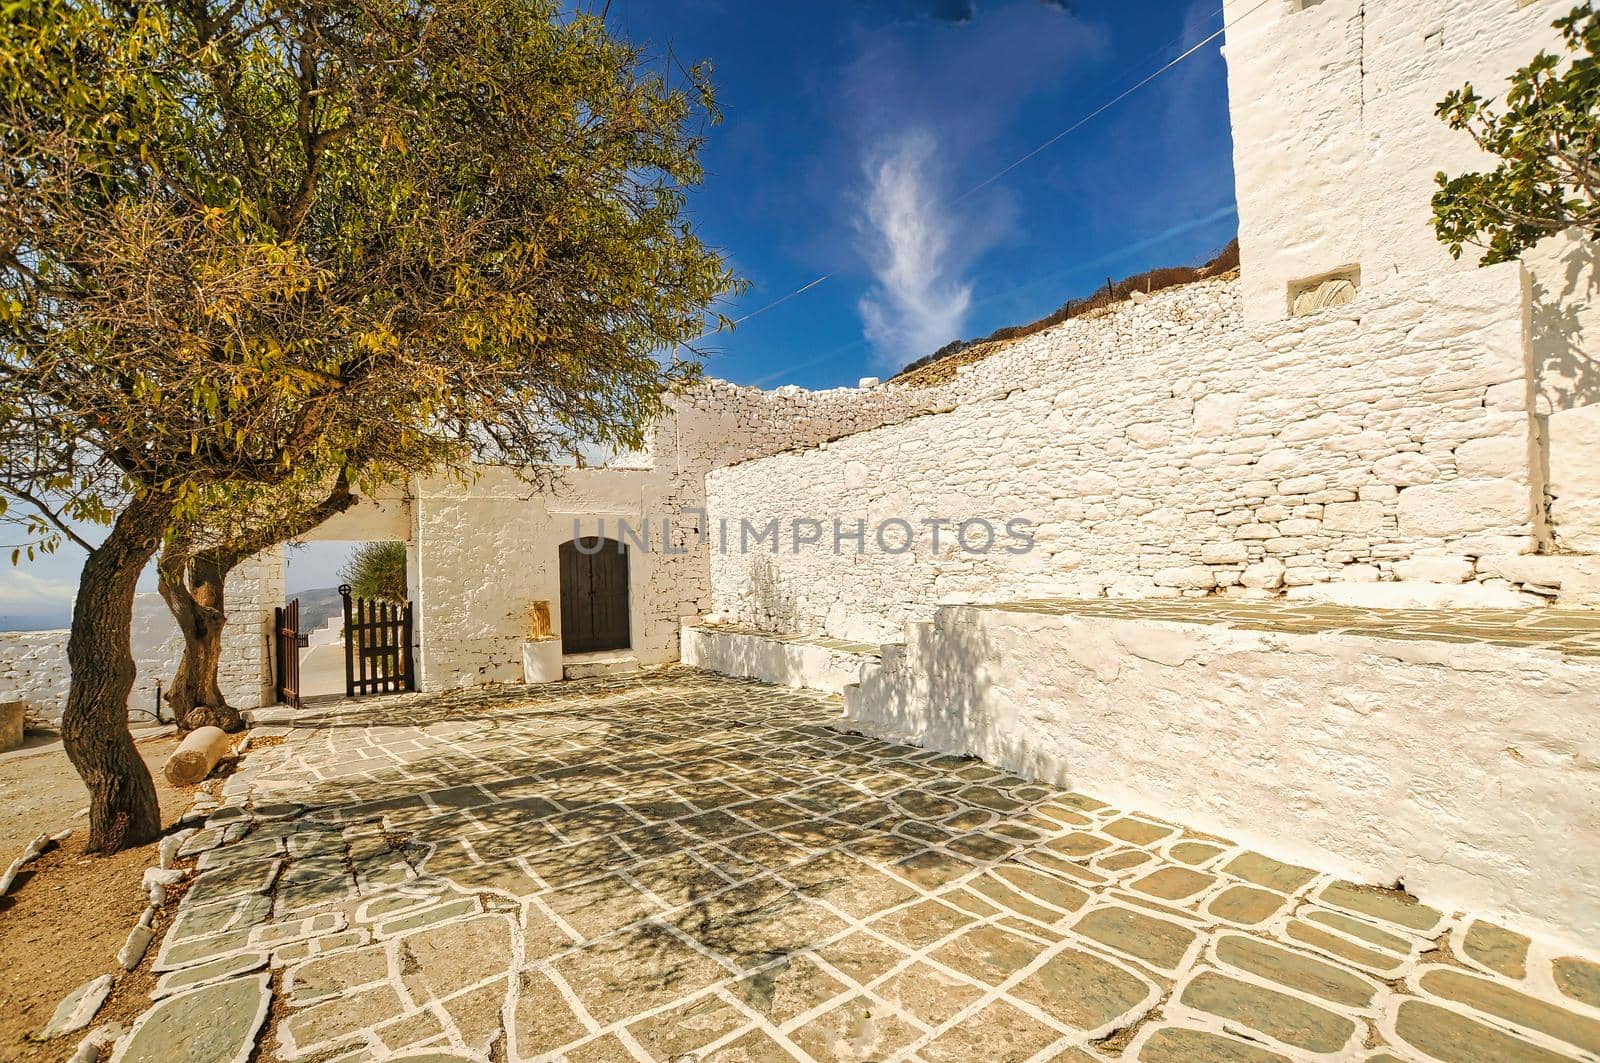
<point>929,103</point>
<point>22,590</point>
<point>918,301</point>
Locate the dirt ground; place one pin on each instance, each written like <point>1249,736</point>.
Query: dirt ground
<point>69,913</point>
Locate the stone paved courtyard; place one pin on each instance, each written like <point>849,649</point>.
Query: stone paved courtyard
<point>679,866</point>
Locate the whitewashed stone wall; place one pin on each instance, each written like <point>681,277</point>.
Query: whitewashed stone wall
<point>1335,150</point>
<point>33,664</point>
<point>811,664</point>
<point>1171,448</point>
<point>1466,772</point>
<point>255,589</point>
<point>725,422</point>
<point>1335,141</point>
<point>486,550</point>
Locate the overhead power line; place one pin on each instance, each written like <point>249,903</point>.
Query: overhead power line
<point>998,174</point>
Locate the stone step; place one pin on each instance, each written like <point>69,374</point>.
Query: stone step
<point>590,666</point>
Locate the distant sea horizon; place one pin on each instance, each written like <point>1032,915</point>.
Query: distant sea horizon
<point>59,620</point>
<point>34,621</point>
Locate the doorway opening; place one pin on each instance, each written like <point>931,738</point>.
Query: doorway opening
<point>379,658</point>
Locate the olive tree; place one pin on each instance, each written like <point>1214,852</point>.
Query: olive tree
<point>239,237</point>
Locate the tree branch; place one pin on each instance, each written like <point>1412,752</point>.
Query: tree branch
<point>50,515</point>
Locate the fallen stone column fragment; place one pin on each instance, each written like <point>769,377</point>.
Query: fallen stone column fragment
<point>196,755</point>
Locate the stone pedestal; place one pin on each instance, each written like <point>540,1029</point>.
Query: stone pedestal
<point>541,661</point>
<point>11,713</point>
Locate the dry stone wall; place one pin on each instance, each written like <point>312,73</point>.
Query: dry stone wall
<point>33,664</point>
<point>719,423</point>
<point>1340,181</point>
<point>1168,448</point>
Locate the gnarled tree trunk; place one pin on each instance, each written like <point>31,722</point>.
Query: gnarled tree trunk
<point>123,811</point>
<point>194,584</point>
<point>196,602</point>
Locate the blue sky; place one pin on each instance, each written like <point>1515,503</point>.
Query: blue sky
<point>851,129</point>
<point>852,132</point>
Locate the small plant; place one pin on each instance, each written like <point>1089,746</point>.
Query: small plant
<point>377,570</point>
<point>1547,138</point>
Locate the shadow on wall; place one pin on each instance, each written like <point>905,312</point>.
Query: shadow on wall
<point>932,691</point>
<point>1565,275</point>
<point>1566,373</point>
<point>828,666</point>
<point>774,608</point>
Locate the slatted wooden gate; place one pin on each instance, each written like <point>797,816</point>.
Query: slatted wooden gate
<point>594,595</point>
<point>377,646</point>
<point>286,622</point>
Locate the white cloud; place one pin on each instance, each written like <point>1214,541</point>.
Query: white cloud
<point>918,301</point>
<point>23,590</point>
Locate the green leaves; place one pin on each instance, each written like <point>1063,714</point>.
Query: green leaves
<point>1547,137</point>
<point>240,241</point>
<point>377,570</point>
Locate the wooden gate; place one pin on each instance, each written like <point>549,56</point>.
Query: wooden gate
<point>377,646</point>
<point>594,595</point>
<point>286,622</point>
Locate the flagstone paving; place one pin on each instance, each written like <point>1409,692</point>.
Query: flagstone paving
<point>680,866</point>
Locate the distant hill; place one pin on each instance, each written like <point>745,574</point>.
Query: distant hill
<point>318,605</point>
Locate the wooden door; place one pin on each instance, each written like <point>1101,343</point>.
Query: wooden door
<point>594,596</point>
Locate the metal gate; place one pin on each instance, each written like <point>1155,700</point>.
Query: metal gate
<point>594,595</point>
<point>286,622</point>
<point>377,646</point>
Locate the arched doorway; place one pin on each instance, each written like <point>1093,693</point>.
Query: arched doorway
<point>594,595</point>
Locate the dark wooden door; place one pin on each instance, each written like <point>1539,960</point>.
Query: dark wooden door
<point>377,646</point>
<point>594,595</point>
<point>287,622</point>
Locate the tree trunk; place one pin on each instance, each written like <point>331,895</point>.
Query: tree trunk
<point>196,602</point>
<point>194,582</point>
<point>123,811</point>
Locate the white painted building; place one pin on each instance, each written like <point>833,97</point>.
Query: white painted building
<point>1356,416</point>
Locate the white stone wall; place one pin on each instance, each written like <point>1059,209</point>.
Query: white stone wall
<point>488,550</point>
<point>1335,150</point>
<point>1466,772</point>
<point>718,423</point>
<point>33,664</point>
<point>485,550</point>
<point>255,589</point>
<point>1171,448</point>
<point>1335,140</point>
<point>1564,336</point>
<point>811,665</point>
